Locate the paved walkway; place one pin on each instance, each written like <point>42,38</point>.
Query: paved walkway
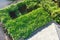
<point>4,3</point>
<point>58,30</point>
<point>48,33</point>
<point>2,36</point>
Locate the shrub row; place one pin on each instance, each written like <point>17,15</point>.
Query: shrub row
<point>24,25</point>
<point>15,10</point>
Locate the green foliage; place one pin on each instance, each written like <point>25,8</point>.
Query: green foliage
<point>24,25</point>
<point>56,15</point>
<point>4,16</point>
<point>14,8</point>
<point>37,15</point>
<point>22,7</point>
<point>53,9</point>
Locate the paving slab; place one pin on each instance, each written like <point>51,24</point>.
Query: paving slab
<point>48,33</point>
<point>58,30</point>
<point>4,3</point>
<point>2,36</point>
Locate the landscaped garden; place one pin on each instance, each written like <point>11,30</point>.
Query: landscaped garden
<point>23,18</point>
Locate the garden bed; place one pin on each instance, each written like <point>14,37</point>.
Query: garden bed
<point>22,18</point>
<point>27,23</point>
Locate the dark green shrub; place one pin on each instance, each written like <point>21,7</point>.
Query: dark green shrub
<point>32,6</point>
<point>56,16</point>
<point>22,7</point>
<point>25,7</point>
<point>13,11</point>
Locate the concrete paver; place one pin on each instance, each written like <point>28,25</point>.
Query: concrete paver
<point>58,30</point>
<point>2,36</point>
<point>48,33</point>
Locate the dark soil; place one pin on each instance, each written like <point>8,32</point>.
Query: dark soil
<point>12,14</point>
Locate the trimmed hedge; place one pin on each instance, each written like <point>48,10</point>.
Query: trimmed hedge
<point>16,10</point>
<point>24,25</point>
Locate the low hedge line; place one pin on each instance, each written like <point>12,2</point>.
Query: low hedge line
<point>24,25</point>
<point>15,10</point>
